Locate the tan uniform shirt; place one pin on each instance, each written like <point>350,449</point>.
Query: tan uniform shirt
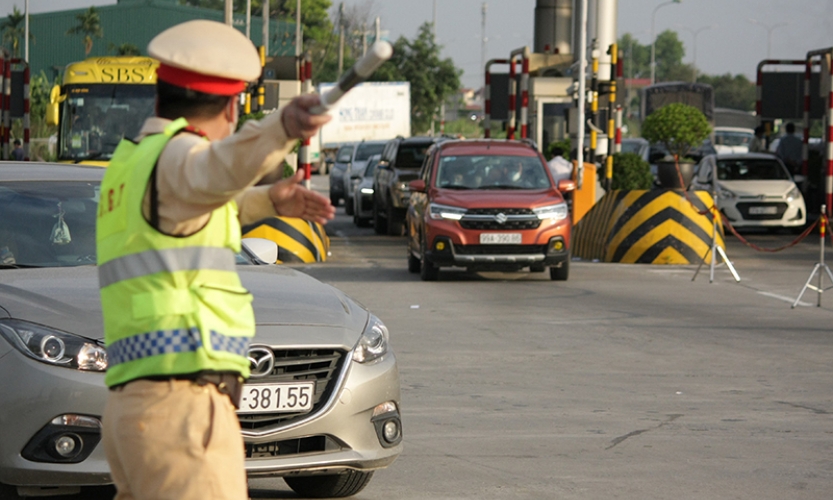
<point>195,176</point>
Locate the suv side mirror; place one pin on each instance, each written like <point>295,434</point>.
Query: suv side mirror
<point>417,185</point>
<point>566,185</point>
<point>266,251</point>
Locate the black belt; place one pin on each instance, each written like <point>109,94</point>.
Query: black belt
<point>228,383</point>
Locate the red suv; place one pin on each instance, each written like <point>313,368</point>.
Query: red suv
<point>488,205</point>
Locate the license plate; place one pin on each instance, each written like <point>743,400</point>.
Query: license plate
<point>277,398</point>
<point>500,238</point>
<point>763,210</point>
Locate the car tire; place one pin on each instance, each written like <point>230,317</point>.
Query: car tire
<point>561,273</point>
<point>428,271</point>
<point>330,485</point>
<point>414,265</point>
<point>348,206</point>
<point>394,226</point>
<point>379,225</point>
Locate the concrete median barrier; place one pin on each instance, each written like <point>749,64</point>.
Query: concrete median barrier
<point>659,226</point>
<point>297,239</point>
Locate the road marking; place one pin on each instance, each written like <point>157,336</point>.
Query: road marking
<point>785,299</point>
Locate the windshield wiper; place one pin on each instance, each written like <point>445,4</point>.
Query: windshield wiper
<point>17,266</point>
<point>456,186</point>
<point>502,186</point>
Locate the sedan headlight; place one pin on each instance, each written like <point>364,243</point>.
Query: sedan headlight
<point>794,194</point>
<point>374,341</point>
<point>436,211</point>
<point>558,211</point>
<point>725,194</point>
<point>54,347</point>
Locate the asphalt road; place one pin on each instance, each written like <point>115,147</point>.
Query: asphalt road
<point>627,381</point>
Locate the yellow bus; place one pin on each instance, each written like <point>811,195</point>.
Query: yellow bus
<point>100,101</point>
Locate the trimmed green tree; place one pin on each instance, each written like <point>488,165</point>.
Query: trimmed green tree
<point>679,127</point>
<point>631,172</point>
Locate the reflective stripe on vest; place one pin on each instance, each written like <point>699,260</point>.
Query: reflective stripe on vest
<point>169,342</point>
<point>168,260</point>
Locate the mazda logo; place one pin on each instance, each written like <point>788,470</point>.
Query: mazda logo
<point>261,361</point>
<point>501,218</point>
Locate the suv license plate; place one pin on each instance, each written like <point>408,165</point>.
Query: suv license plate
<point>277,398</point>
<point>763,210</point>
<point>500,238</point>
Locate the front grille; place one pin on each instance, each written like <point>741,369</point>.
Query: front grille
<point>744,209</point>
<point>486,219</point>
<point>311,444</point>
<point>319,365</point>
<point>499,249</point>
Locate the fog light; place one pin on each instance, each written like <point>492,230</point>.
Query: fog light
<point>65,446</point>
<point>390,431</point>
<point>559,245</point>
<point>440,246</point>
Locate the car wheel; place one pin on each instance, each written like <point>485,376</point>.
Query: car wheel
<point>395,225</point>
<point>329,486</point>
<point>428,271</point>
<point>561,273</point>
<point>348,206</point>
<point>378,223</point>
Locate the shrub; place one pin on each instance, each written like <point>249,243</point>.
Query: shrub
<point>679,127</point>
<point>564,144</point>
<point>631,172</point>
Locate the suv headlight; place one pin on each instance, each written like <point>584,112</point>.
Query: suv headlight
<point>794,194</point>
<point>54,347</point>
<point>374,341</point>
<point>436,211</point>
<point>558,211</point>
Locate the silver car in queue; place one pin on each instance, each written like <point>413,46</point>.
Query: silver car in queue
<point>311,338</point>
<point>363,194</point>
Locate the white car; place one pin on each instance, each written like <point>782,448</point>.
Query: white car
<point>753,190</point>
<point>732,139</point>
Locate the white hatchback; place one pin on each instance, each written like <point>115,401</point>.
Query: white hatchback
<point>753,190</point>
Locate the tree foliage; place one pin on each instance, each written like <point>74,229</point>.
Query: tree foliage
<point>432,79</point>
<point>13,30</point>
<point>679,127</point>
<point>89,27</point>
<point>630,172</point>
<point>735,92</point>
<point>669,53</point>
<point>124,49</point>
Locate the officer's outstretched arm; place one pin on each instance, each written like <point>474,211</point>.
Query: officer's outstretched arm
<point>291,199</point>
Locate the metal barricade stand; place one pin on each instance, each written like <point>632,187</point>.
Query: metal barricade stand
<point>819,265</point>
<point>715,248</point>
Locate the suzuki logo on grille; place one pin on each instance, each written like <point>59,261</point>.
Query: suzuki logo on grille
<point>261,361</point>
<point>501,218</point>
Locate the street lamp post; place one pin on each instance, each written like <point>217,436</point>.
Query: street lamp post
<point>769,29</point>
<point>694,34</point>
<point>653,36</point>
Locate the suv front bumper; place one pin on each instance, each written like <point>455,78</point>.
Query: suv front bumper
<point>444,252</point>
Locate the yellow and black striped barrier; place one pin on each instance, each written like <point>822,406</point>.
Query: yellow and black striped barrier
<point>647,227</point>
<point>297,239</point>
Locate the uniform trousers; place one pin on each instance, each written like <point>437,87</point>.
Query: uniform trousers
<point>173,440</point>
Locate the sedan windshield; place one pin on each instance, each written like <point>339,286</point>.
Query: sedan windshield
<point>751,170</point>
<point>491,172</point>
<point>47,224</point>
<point>368,149</point>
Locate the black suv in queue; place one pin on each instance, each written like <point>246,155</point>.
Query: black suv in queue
<point>400,164</point>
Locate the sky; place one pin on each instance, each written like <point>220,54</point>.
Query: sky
<point>728,43</point>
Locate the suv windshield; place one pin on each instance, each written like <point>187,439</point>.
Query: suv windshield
<point>411,155</point>
<point>47,224</point>
<point>751,170</point>
<point>344,154</point>
<point>366,150</point>
<point>491,172</point>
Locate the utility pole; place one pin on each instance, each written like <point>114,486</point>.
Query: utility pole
<point>229,12</point>
<point>26,32</point>
<point>582,97</point>
<point>364,39</point>
<point>378,29</point>
<point>483,41</point>
<point>299,40</point>
<point>341,38</point>
<point>249,19</point>
<point>435,20</point>
<point>266,27</point>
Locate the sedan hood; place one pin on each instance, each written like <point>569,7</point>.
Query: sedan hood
<point>769,189</point>
<point>503,198</point>
<point>68,299</point>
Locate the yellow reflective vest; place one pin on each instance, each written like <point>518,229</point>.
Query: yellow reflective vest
<point>171,305</point>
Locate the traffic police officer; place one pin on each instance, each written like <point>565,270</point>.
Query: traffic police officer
<point>177,320</point>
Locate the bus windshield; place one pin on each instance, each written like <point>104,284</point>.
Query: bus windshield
<point>95,117</point>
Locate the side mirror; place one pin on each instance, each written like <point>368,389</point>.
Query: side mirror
<point>52,113</point>
<point>263,250</point>
<point>566,185</point>
<point>799,179</point>
<point>383,164</point>
<point>417,185</point>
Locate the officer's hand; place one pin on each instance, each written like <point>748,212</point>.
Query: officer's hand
<point>298,122</point>
<point>291,199</point>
